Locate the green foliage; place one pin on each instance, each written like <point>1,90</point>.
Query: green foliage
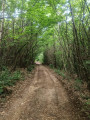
<point>57,28</point>
<point>8,79</point>
<point>78,84</point>
<point>60,73</point>
<point>68,41</point>
<point>16,76</point>
<point>51,66</point>
<point>1,89</point>
<point>88,62</point>
<point>30,68</point>
<point>86,108</point>
<point>40,58</point>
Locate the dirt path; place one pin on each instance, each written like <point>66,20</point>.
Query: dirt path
<point>44,98</point>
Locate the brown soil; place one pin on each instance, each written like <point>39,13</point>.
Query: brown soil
<point>40,97</point>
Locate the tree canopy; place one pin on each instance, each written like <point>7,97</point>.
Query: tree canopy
<point>58,29</point>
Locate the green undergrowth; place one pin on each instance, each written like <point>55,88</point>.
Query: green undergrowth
<point>8,79</point>
<point>86,107</point>
<point>77,85</point>
<point>58,71</point>
<point>61,73</point>
<point>51,66</point>
<point>30,68</point>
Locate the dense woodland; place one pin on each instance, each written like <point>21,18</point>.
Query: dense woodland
<point>58,30</point>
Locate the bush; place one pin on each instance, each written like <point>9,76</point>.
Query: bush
<point>8,79</point>
<point>51,66</point>
<point>30,68</point>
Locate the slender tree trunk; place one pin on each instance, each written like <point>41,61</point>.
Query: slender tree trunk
<point>13,28</point>
<point>80,68</point>
<point>3,8</point>
<point>2,21</point>
<point>54,46</point>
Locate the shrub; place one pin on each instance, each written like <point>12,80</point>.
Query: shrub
<point>51,66</point>
<point>30,68</point>
<point>8,79</point>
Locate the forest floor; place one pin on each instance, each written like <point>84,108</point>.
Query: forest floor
<point>41,96</point>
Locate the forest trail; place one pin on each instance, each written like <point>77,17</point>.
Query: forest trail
<point>44,98</point>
